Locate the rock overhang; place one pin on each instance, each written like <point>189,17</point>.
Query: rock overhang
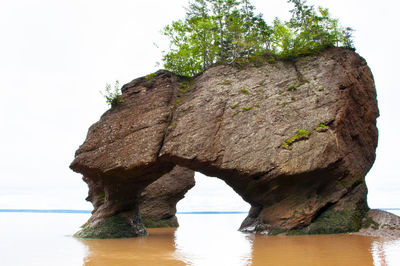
<point>255,127</point>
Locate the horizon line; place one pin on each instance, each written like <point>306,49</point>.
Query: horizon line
<point>89,211</point>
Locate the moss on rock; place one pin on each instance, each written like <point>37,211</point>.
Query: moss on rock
<point>301,135</point>
<point>110,227</point>
<point>321,128</point>
<point>333,222</point>
<point>368,222</point>
<point>150,223</point>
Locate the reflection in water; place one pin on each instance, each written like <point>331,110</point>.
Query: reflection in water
<point>156,249</point>
<point>312,250</point>
<point>379,253</point>
<point>201,240</point>
<point>214,240</point>
<point>386,252</point>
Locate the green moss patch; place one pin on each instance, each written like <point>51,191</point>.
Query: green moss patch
<point>244,91</point>
<point>110,227</point>
<point>151,75</point>
<point>184,85</point>
<point>301,135</point>
<point>333,222</point>
<point>149,80</point>
<point>321,128</point>
<point>102,197</point>
<point>370,223</point>
<point>274,232</point>
<point>247,108</point>
<point>295,85</point>
<point>227,82</point>
<point>172,125</point>
<point>236,105</point>
<point>150,223</point>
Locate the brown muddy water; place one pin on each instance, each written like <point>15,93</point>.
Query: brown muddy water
<point>202,239</point>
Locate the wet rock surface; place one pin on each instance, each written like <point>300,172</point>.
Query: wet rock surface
<point>295,139</point>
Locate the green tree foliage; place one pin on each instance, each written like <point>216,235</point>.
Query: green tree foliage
<point>309,30</point>
<point>223,31</point>
<point>214,31</point>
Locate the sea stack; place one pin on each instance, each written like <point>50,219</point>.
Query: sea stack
<point>293,138</point>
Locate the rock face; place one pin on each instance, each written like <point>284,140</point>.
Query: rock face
<point>295,139</point>
<point>157,205</point>
<point>381,223</point>
<point>158,200</point>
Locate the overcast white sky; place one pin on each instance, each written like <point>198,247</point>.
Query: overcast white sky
<point>55,57</point>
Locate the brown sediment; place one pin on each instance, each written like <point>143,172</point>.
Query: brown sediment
<point>165,247</point>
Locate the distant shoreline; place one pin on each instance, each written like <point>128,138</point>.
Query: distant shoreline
<point>88,211</point>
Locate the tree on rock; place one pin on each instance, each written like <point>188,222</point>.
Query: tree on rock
<point>214,31</point>
<point>223,31</point>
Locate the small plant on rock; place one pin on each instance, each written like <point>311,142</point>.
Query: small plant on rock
<point>301,135</point>
<point>244,91</point>
<point>247,108</point>
<point>113,96</point>
<point>321,128</point>
<point>151,75</point>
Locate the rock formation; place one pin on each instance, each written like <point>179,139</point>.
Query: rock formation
<point>294,138</point>
<point>157,205</point>
<point>381,223</point>
<point>158,200</point>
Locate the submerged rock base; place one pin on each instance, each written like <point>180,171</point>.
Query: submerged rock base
<point>112,227</point>
<point>344,216</point>
<point>294,139</point>
<point>157,205</point>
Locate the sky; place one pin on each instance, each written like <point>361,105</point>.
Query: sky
<point>56,55</point>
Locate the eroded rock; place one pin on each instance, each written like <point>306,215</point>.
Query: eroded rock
<point>381,223</point>
<point>295,139</point>
<point>158,200</point>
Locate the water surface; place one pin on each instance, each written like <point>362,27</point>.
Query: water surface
<point>202,239</point>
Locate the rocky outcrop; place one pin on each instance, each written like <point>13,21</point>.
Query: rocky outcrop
<point>158,200</point>
<point>295,139</point>
<point>381,223</point>
<point>157,205</point>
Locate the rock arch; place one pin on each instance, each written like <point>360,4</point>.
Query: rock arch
<point>295,139</point>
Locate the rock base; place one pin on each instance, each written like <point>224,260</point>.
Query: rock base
<point>381,224</point>
<point>111,227</point>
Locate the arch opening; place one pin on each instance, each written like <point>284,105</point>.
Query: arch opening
<point>211,213</point>
<point>211,195</point>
